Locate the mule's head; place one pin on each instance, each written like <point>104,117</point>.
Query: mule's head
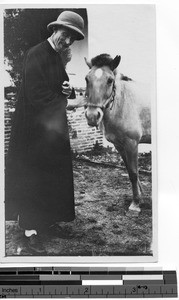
<point>100,85</point>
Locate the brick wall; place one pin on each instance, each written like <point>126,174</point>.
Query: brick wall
<point>82,137</point>
<point>8,113</point>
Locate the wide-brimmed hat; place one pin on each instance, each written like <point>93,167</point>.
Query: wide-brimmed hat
<point>71,20</point>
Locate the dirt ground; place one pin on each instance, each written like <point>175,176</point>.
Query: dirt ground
<point>103,225</point>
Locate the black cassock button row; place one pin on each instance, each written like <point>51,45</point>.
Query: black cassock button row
<point>87,282</point>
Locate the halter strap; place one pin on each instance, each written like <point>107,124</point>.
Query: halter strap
<point>109,101</point>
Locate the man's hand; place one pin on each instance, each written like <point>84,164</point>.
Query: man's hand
<point>75,103</point>
<point>81,101</point>
<point>66,89</point>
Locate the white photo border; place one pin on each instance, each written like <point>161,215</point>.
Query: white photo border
<point>80,260</point>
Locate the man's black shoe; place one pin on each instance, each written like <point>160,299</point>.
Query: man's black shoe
<point>35,244</point>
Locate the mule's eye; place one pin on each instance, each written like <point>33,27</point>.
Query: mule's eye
<point>86,78</point>
<point>110,81</point>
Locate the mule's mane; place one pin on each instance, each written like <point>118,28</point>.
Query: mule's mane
<point>106,60</point>
<point>125,78</point>
<point>101,60</point>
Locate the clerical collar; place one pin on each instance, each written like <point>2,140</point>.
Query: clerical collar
<point>51,43</point>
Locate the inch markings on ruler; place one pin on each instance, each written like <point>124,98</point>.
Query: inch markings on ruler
<point>65,282</point>
<point>88,291</point>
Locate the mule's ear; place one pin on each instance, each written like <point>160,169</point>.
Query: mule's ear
<point>89,64</point>
<point>115,62</point>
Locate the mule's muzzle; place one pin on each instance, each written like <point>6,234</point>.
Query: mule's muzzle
<point>94,116</point>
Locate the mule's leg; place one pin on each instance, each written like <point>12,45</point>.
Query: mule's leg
<point>129,153</point>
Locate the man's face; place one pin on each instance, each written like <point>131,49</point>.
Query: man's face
<point>63,38</point>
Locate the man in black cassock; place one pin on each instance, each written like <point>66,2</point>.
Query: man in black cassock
<point>39,177</point>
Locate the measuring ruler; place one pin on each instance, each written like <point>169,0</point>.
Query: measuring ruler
<point>86,282</point>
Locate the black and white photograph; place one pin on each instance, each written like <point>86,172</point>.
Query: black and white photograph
<point>80,133</point>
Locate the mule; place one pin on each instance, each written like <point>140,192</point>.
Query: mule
<point>113,101</point>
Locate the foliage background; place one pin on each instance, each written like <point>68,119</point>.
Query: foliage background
<point>24,28</point>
